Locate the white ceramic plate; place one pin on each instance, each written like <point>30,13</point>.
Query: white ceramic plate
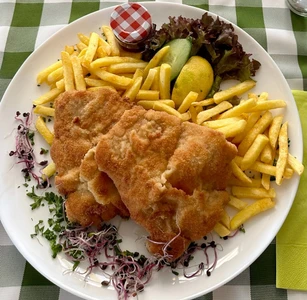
<point>18,219</point>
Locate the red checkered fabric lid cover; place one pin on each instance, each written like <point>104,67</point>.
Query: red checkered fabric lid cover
<point>131,22</point>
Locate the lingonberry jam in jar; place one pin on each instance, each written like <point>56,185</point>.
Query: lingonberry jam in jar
<point>131,24</point>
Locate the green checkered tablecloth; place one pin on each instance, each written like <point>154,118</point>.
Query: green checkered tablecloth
<point>25,24</point>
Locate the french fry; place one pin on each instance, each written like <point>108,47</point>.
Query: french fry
<point>44,110</point>
<point>163,107</point>
<point>81,46</point>
<point>47,97</point>
<point>232,129</point>
<point>155,84</point>
<point>105,46</point>
<point>129,75</point>
<point>154,62</point>
<point>268,105</point>
<point>69,49</point>
<point>91,75</point>
<point>49,170</point>
<point>129,67</point>
<point>60,85</point>
<point>270,170</point>
<point>274,130</point>
<point>56,75</point>
<point>83,38</point>
<point>256,175</point>
<point>115,80</point>
<point>133,90</point>
<point>149,79</point>
<point>149,104</point>
<point>100,52</point>
<point>238,160</point>
<point>239,173</point>
<point>67,72</point>
<point>267,154</point>
<point>43,75</point>
<point>266,181</point>
<point>185,116</point>
<point>245,214</point>
<point>283,153</point>
<point>236,90</point>
<point>115,49</point>
<point>53,85</point>
<point>254,151</point>
<point>258,128</point>
<point>138,73</point>
<point>236,111</point>
<point>194,111</point>
<point>147,95</point>
<point>186,103</point>
<point>203,102</point>
<point>214,124</point>
<point>211,112</point>
<point>251,192</point>
<point>225,219</point>
<point>237,203</point>
<point>107,87</point>
<point>297,166</point>
<point>263,96</point>
<point>265,168</point>
<point>78,73</point>
<point>165,81</point>
<point>95,82</point>
<point>252,95</point>
<point>44,130</point>
<point>288,173</point>
<point>82,53</point>
<point>251,121</point>
<point>221,229</point>
<point>91,49</point>
<point>112,60</point>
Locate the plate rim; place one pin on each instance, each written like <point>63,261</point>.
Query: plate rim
<point>20,247</point>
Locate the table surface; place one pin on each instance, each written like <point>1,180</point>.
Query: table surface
<point>24,25</point>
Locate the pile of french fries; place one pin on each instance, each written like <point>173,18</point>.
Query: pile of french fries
<point>98,62</point>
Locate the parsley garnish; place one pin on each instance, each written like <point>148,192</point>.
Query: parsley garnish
<point>241,228</point>
<point>76,264</point>
<point>55,204</point>
<point>49,235</point>
<point>55,248</point>
<point>37,199</point>
<point>43,151</point>
<point>38,228</point>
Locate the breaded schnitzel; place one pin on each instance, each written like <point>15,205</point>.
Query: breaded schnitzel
<point>168,175</point>
<point>171,175</point>
<point>81,118</point>
<point>99,183</point>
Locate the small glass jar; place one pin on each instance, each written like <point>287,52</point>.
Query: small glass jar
<point>131,24</point>
<point>298,6</point>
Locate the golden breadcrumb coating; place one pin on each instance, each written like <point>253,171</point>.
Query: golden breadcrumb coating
<point>171,175</point>
<point>81,118</point>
